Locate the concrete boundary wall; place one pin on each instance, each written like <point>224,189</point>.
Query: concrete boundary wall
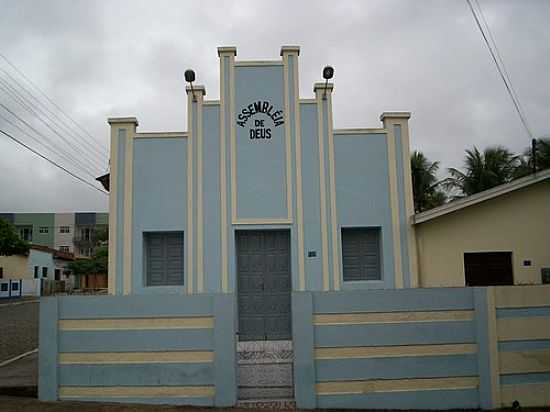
<point>147,349</point>
<point>444,348</point>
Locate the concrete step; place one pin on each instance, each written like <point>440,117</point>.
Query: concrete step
<point>279,403</point>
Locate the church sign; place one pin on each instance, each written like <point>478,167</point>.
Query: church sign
<point>259,129</point>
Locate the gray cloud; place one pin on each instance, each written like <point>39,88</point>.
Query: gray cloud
<point>101,59</point>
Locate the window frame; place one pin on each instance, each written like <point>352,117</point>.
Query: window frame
<point>43,230</point>
<point>145,278</point>
<point>378,283</point>
<point>44,272</point>
<point>64,229</point>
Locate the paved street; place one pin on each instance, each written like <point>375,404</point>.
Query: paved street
<point>19,328</point>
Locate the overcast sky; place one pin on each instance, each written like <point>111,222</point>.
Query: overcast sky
<point>97,59</point>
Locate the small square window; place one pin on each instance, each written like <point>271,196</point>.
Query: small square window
<point>43,229</point>
<point>64,229</point>
<point>164,254</point>
<point>64,249</point>
<point>15,286</point>
<point>4,287</point>
<point>361,254</point>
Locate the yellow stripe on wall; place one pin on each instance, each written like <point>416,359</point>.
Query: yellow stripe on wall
<point>364,352</point>
<point>531,394</point>
<point>522,296</point>
<point>537,327</point>
<point>394,385</point>
<point>524,361</point>
<point>135,391</point>
<point>392,317</point>
<point>137,323</point>
<point>95,358</point>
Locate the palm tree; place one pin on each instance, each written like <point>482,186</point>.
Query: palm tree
<point>426,193</point>
<point>525,166</point>
<point>493,167</point>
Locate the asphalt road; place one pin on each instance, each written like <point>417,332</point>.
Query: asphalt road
<point>19,328</point>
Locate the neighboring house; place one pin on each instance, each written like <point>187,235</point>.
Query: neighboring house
<point>40,263</point>
<point>500,236</point>
<point>67,232</point>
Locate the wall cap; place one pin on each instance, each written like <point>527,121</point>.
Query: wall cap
<point>290,49</point>
<point>227,50</point>
<point>395,115</point>
<point>321,86</point>
<point>122,120</point>
<point>198,88</point>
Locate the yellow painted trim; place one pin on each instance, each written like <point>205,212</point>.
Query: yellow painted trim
<point>249,63</point>
<point>267,221</point>
<point>235,220</point>
<point>161,135</point>
<point>189,239</point>
<point>394,385</point>
<point>522,296</point>
<point>392,317</point>
<point>525,361</point>
<point>233,156</point>
<point>111,278</point>
<point>409,205</point>
<point>199,322</point>
<point>299,183</point>
<point>528,394</point>
<point>333,213</point>
<point>67,392</point>
<point>394,204</point>
<point>105,358</point>
<point>322,192</point>
<point>366,352</point>
<point>128,212</point>
<point>288,159</point>
<point>360,131</point>
<point>492,344</point>
<point>223,181</point>
<point>537,327</point>
<point>200,219</point>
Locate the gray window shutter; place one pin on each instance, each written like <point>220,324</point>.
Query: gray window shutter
<point>164,258</point>
<point>361,254</point>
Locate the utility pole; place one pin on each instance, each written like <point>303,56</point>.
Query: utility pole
<point>534,154</point>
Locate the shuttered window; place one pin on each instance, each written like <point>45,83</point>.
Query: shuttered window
<point>361,254</point>
<point>164,258</point>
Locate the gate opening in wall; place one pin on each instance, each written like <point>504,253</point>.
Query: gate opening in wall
<point>265,354</point>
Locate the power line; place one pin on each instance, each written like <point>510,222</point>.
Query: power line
<point>52,162</point>
<point>501,71</point>
<point>63,150</point>
<point>90,171</point>
<point>48,98</point>
<point>58,153</point>
<point>42,108</point>
<point>76,149</point>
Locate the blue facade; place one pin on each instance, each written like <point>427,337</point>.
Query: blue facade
<point>262,158</point>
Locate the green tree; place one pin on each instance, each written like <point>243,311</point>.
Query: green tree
<point>10,242</point>
<point>482,170</point>
<point>426,187</point>
<point>98,263</point>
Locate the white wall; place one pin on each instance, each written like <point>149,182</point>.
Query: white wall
<point>64,239</point>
